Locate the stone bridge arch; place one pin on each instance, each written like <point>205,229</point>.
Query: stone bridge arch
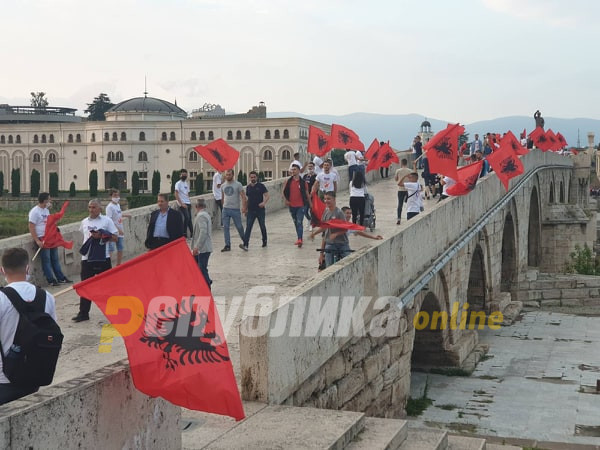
<point>534,233</point>
<point>509,268</point>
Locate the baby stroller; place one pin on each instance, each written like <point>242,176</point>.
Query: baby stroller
<point>369,220</point>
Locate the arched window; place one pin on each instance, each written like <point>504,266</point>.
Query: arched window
<point>268,134</point>
<point>142,156</point>
<point>106,136</point>
<point>110,157</point>
<point>142,136</point>
<point>18,139</point>
<point>37,158</point>
<point>551,196</point>
<point>238,135</point>
<point>119,156</point>
<point>276,136</point>
<point>286,155</point>
<point>70,138</point>
<point>268,155</point>
<point>43,138</point>
<point>561,192</point>
<point>202,136</point>
<point>230,135</point>
<point>211,136</point>
<point>10,139</point>
<point>35,139</point>
<point>286,134</point>
<point>51,139</point>
<point>194,136</point>
<point>78,138</point>
<point>172,136</point>
<point>123,136</point>
<point>163,136</point>
<point>247,135</point>
<point>93,137</point>
<point>2,140</point>
<point>114,136</point>
<point>52,157</point>
<point>193,156</point>
<point>93,157</point>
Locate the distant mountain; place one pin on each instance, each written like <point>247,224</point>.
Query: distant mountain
<point>400,129</point>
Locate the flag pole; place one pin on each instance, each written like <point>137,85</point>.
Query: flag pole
<point>64,291</point>
<point>38,251</point>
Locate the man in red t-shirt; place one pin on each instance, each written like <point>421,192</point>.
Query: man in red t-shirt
<point>297,199</point>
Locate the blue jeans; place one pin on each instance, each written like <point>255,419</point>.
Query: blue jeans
<point>51,265</point>
<point>351,170</point>
<point>251,216</point>
<point>202,260</point>
<point>236,215</point>
<point>297,213</point>
<point>338,252</point>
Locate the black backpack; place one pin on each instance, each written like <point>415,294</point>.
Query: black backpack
<point>31,360</point>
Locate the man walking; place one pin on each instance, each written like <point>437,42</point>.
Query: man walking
<point>401,173</point>
<point>165,225</point>
<point>97,231</point>
<point>335,240</point>
<point>182,195</point>
<point>38,216</point>
<point>326,181</point>
<point>218,193</point>
<point>257,196</point>
<point>201,239</point>
<point>296,198</point>
<point>233,195</point>
<point>113,212</point>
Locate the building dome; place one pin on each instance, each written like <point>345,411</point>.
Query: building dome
<point>425,124</point>
<point>145,108</point>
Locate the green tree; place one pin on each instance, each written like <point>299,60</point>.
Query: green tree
<point>261,176</point>
<point>98,107</point>
<point>72,191</point>
<point>240,176</point>
<point>174,179</point>
<point>135,183</point>
<point>245,179</point>
<point>338,157</point>
<point>39,100</point>
<point>114,180</point>
<point>155,182</point>
<point>35,183</point>
<point>15,179</point>
<point>199,184</point>
<point>53,184</point>
<point>93,183</point>
<point>1,183</point>
<point>583,261</point>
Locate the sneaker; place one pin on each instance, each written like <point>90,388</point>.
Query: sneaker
<point>244,247</point>
<point>398,222</point>
<point>310,228</point>
<point>264,244</point>
<point>65,281</point>
<point>298,243</point>
<point>227,248</point>
<point>80,317</point>
<point>54,283</point>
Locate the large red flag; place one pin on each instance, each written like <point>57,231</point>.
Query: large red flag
<point>219,154</point>
<point>52,237</point>
<point>538,136</point>
<point>506,164</point>
<point>163,308</point>
<point>318,141</point>
<point>317,208</point>
<point>554,144</point>
<point>372,149</point>
<point>388,155</point>
<point>342,137</point>
<point>510,140</point>
<point>467,179</point>
<point>442,151</point>
<point>343,224</point>
<point>561,140</point>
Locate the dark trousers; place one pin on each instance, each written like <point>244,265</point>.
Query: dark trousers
<point>357,205</point>
<point>187,219</point>
<point>401,199</point>
<point>251,216</point>
<point>387,172</point>
<point>202,260</point>
<point>220,205</point>
<point>88,270</point>
<point>10,392</point>
<point>410,215</point>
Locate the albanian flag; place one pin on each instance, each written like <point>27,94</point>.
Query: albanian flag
<point>561,139</point>
<point>554,144</point>
<point>317,208</point>
<point>318,141</point>
<point>342,137</point>
<point>52,237</point>
<point>510,140</point>
<point>506,164</point>
<point>163,308</point>
<point>219,154</point>
<point>372,149</point>
<point>442,151</point>
<point>538,136</point>
<point>467,179</point>
<point>341,224</point>
<point>384,156</point>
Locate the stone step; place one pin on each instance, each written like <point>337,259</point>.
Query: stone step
<point>380,434</point>
<point>501,447</point>
<point>465,443</point>
<point>291,427</point>
<point>425,439</point>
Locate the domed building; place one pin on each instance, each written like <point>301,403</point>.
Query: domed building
<point>425,132</point>
<point>145,108</point>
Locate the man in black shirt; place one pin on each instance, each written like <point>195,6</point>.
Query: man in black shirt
<point>258,196</point>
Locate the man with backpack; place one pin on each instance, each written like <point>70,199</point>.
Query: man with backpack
<point>27,314</point>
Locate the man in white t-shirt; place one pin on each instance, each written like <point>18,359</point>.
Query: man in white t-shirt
<point>97,231</point>
<point>15,267</point>
<point>182,195</point>
<point>325,181</point>
<point>414,201</point>
<point>113,212</point>
<point>218,193</point>
<point>350,157</point>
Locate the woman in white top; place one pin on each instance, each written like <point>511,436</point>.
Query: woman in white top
<point>358,189</point>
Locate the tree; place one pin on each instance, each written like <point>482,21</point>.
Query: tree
<point>240,176</point>
<point>155,182</point>
<point>135,183</point>
<point>200,184</point>
<point>174,179</point>
<point>53,184</point>
<point>114,180</point>
<point>1,183</point>
<point>94,183</point>
<point>245,179</point>
<point>35,183</point>
<point>261,176</point>
<point>98,107</point>
<point>72,191</point>
<point>15,179</point>
<point>38,100</point>
<point>337,156</point>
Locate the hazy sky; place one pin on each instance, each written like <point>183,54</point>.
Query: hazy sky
<point>451,60</point>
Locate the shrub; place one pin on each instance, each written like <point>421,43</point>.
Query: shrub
<point>583,261</point>
<point>155,183</point>
<point>135,183</point>
<point>174,179</point>
<point>200,184</point>
<point>53,184</point>
<point>114,180</point>
<point>35,183</point>
<point>72,191</point>
<point>94,183</point>
<point>15,182</point>
<point>140,200</point>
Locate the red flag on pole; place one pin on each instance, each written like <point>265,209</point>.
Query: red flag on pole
<point>317,208</point>
<point>318,141</point>
<point>442,151</point>
<point>510,140</point>
<point>561,139</point>
<point>538,136</point>
<point>467,179</point>
<point>161,305</point>
<point>554,144</point>
<point>388,155</point>
<point>219,154</point>
<point>52,237</point>
<point>342,224</point>
<point>372,149</point>
<point>506,164</point>
<point>342,137</point>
